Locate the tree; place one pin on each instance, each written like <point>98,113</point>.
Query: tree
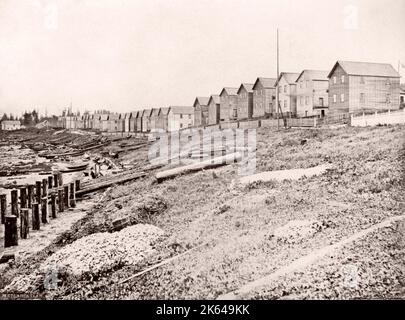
<point>4,117</point>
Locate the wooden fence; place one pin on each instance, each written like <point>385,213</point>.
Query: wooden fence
<point>390,117</point>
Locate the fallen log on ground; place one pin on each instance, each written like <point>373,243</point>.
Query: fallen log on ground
<point>280,175</point>
<point>116,180</point>
<point>207,164</point>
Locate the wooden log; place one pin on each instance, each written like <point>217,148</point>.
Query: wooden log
<point>207,164</point>
<point>55,180</point>
<point>53,205</point>
<point>10,232</point>
<point>35,217</point>
<point>3,207</point>
<point>23,197</point>
<point>14,203</point>
<point>77,185</point>
<point>50,182</point>
<point>44,188</point>
<point>24,223</point>
<point>44,210</point>
<point>60,179</point>
<point>38,191</point>
<point>72,195</point>
<point>61,206</point>
<point>30,196</point>
<point>66,196</point>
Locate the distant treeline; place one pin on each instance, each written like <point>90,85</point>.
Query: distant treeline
<point>29,119</point>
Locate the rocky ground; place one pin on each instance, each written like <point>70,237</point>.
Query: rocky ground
<point>247,232</point>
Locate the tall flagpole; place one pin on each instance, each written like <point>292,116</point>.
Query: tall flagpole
<point>277,86</point>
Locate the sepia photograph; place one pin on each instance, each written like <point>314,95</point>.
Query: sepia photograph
<point>226,151</point>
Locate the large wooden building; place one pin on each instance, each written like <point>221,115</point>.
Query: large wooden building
<point>213,109</point>
<point>245,101</point>
<point>312,93</point>
<point>162,123</point>
<point>200,111</point>
<point>264,97</point>
<point>229,104</point>
<point>154,119</point>
<point>287,95</point>
<point>363,87</point>
<point>146,120</point>
<point>180,117</point>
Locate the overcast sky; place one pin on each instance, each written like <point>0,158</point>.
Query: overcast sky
<point>127,55</point>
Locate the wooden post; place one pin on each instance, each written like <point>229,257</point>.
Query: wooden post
<point>14,203</point>
<point>24,223</point>
<point>53,205</point>
<point>38,192</point>
<point>55,180</point>
<point>50,182</point>
<point>23,198</point>
<point>44,188</point>
<point>77,185</point>
<point>60,179</point>
<point>44,210</point>
<point>3,207</point>
<point>10,232</point>
<point>60,200</point>
<point>35,216</point>
<point>72,195</point>
<point>30,190</point>
<point>66,196</point>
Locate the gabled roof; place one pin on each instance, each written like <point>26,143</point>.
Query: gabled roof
<point>133,114</point>
<point>229,91</point>
<point>121,116</point>
<point>315,75</point>
<point>214,98</point>
<point>202,101</point>
<point>155,112</point>
<point>113,116</point>
<point>181,109</point>
<point>146,113</point>
<point>248,87</point>
<point>290,77</point>
<point>266,82</point>
<point>366,69</point>
<point>164,111</point>
<point>104,116</point>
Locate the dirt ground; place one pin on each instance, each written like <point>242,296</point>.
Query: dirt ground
<point>251,231</point>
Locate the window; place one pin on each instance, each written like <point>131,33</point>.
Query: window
<point>285,103</point>
<point>189,116</point>
<point>306,100</point>
<point>181,116</point>
<point>362,97</point>
<point>181,125</point>
<point>334,80</point>
<point>285,88</point>
<point>388,82</point>
<point>334,98</point>
<point>342,97</point>
<point>343,79</point>
<point>388,98</point>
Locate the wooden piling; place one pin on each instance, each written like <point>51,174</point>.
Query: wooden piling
<point>30,197</point>
<point>38,191</point>
<point>24,223</point>
<point>23,198</point>
<point>60,200</point>
<point>50,182</point>
<point>77,185</point>
<point>60,179</point>
<point>3,207</point>
<point>35,217</point>
<point>66,196</point>
<point>44,210</point>
<point>10,232</point>
<point>72,195</point>
<point>14,203</point>
<point>55,180</point>
<point>53,205</point>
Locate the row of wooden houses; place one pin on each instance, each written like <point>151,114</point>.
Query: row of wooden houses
<point>171,118</point>
<point>349,87</point>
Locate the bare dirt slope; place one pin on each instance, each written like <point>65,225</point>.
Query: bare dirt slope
<point>252,231</point>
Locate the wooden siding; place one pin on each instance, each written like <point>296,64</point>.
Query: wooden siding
<point>263,101</point>
<point>213,112</point>
<point>228,107</point>
<point>245,104</point>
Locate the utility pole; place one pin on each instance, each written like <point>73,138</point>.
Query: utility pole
<point>277,86</point>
